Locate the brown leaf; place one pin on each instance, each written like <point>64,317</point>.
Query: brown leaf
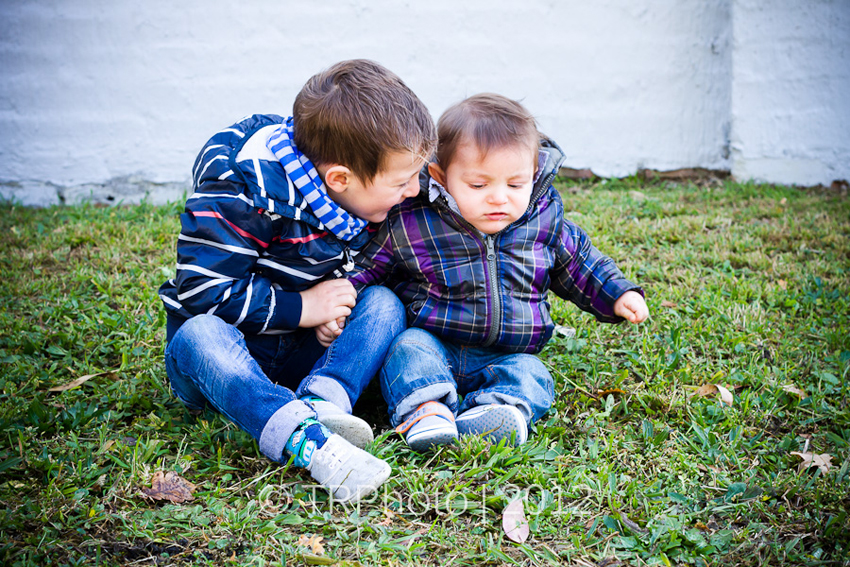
<point>74,383</point>
<point>514,522</point>
<point>669,304</point>
<point>822,461</point>
<point>708,390</point>
<point>605,393</point>
<point>314,543</point>
<point>792,389</point>
<point>169,486</point>
<point>782,284</point>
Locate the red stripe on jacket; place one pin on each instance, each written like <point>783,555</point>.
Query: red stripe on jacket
<point>307,238</point>
<point>233,226</point>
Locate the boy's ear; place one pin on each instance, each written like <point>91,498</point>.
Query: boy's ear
<point>337,178</point>
<point>437,173</point>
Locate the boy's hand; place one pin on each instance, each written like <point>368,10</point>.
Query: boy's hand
<point>327,332</point>
<point>326,302</point>
<point>632,307</point>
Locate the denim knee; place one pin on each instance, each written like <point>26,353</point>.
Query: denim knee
<point>416,366</point>
<point>383,306</point>
<point>196,347</point>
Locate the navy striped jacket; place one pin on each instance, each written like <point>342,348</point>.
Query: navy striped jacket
<point>491,290</point>
<point>248,242</point>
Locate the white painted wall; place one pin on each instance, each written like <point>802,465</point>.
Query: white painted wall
<point>791,91</point>
<point>100,98</point>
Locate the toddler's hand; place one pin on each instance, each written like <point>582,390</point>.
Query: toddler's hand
<point>632,307</point>
<point>326,302</point>
<point>327,332</point>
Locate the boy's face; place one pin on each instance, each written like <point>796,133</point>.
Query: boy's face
<point>372,200</point>
<point>491,190</point>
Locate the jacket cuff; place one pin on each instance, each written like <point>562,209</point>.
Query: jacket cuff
<point>614,289</point>
<point>287,312</point>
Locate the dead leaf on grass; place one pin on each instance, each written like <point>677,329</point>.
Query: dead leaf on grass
<point>75,383</point>
<point>669,304</point>
<point>708,390</point>
<point>318,560</point>
<point>170,486</point>
<point>792,389</point>
<point>514,522</point>
<point>605,393</point>
<point>822,461</point>
<point>782,284</point>
<point>314,543</point>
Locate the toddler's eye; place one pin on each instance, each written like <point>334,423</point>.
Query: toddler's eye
<point>476,185</point>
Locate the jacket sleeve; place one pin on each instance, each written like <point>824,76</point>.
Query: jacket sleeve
<point>220,241</point>
<point>586,277</point>
<point>375,263</point>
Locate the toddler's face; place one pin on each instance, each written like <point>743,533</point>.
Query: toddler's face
<point>373,200</point>
<point>491,190</point>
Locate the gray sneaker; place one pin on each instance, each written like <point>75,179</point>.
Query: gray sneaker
<point>494,422</point>
<point>353,429</point>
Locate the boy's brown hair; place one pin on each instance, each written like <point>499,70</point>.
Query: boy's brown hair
<point>356,112</point>
<point>487,120</point>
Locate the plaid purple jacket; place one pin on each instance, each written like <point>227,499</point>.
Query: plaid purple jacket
<point>491,290</point>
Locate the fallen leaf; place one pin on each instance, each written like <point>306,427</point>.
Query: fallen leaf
<point>604,393</point>
<point>318,560</point>
<point>792,389</point>
<point>707,390</point>
<point>669,304</point>
<point>514,522</point>
<point>782,284</point>
<point>822,461</point>
<point>169,486</point>
<point>75,383</point>
<point>314,543</point>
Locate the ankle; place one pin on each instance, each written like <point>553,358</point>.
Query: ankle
<point>308,437</point>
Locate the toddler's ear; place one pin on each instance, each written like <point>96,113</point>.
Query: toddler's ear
<point>337,177</point>
<point>437,173</point>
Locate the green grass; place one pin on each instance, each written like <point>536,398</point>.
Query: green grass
<point>748,286</point>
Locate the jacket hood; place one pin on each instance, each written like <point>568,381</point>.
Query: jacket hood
<point>239,153</point>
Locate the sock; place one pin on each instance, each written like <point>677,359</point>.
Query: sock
<point>309,436</point>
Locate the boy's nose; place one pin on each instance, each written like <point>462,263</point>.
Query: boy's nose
<point>499,196</point>
<point>412,191</point>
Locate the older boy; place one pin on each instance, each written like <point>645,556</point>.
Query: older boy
<point>279,207</point>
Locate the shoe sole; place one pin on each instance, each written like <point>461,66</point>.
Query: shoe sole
<point>495,424</point>
<point>429,440</point>
<point>351,428</point>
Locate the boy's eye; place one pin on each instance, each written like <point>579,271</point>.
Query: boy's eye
<point>476,185</point>
<point>516,185</point>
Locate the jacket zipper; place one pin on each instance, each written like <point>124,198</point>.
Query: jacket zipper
<point>490,245</point>
<point>493,334</point>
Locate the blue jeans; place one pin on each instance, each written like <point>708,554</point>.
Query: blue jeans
<point>421,368</point>
<point>250,379</point>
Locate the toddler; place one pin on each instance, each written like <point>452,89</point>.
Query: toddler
<point>472,259</point>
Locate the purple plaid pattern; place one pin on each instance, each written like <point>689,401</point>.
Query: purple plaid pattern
<point>436,263</point>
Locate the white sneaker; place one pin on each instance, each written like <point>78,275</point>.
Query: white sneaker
<point>495,422</point>
<point>348,472</point>
<point>431,425</point>
<point>353,429</point>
